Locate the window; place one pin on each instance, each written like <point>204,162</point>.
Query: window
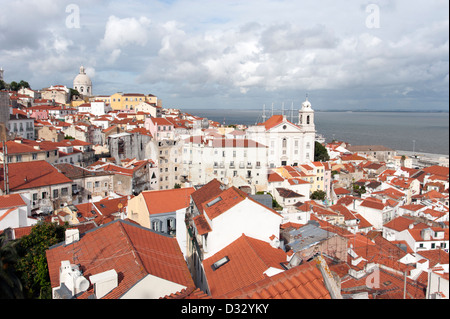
<point>55,193</point>
<point>156,225</point>
<point>220,263</point>
<point>284,142</point>
<point>34,156</point>
<point>18,158</point>
<point>44,195</point>
<point>35,197</point>
<point>64,191</point>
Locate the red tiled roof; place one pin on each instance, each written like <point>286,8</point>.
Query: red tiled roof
<point>164,201</point>
<point>11,200</point>
<point>248,258</point>
<point>413,207</point>
<point>274,177</point>
<point>435,256</point>
<point>26,175</point>
<point>372,204</point>
<point>400,223</point>
<point>132,251</point>
<point>301,282</point>
<point>437,170</point>
<point>202,224</point>
<point>228,198</point>
<point>341,191</point>
<point>206,192</point>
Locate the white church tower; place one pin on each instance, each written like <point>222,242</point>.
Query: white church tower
<point>306,122</point>
<point>306,117</point>
<point>1,74</point>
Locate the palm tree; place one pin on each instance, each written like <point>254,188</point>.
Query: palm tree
<point>10,285</point>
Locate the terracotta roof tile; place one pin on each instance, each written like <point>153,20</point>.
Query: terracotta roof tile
<point>248,258</point>
<point>301,282</point>
<point>33,174</point>
<point>164,201</point>
<point>133,251</point>
<point>11,200</point>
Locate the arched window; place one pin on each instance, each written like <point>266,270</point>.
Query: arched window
<point>307,119</point>
<point>284,142</point>
<point>156,225</point>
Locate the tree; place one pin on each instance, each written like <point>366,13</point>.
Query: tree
<point>10,285</point>
<point>359,189</point>
<point>177,185</point>
<point>319,195</point>
<point>320,153</point>
<point>32,264</point>
<point>14,86</point>
<point>24,84</point>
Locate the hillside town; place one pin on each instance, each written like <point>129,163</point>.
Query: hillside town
<point>161,204</point>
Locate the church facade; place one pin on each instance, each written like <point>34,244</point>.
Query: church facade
<point>288,143</point>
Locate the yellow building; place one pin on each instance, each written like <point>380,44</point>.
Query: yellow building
<point>128,101</point>
<point>319,178</point>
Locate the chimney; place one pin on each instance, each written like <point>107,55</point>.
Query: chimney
<point>71,281</point>
<point>104,283</point>
<point>72,235</point>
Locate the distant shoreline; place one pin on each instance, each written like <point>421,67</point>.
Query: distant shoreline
<point>337,111</point>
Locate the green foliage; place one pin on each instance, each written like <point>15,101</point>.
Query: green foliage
<point>32,264</point>
<point>177,185</point>
<point>320,153</point>
<point>10,285</point>
<point>275,204</point>
<point>359,189</point>
<point>74,92</point>
<point>319,195</point>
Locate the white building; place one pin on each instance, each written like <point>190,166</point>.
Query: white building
<point>288,143</point>
<point>234,162</point>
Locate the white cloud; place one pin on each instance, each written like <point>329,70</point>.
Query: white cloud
<point>121,33</point>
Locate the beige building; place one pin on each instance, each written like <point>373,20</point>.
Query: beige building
<point>57,93</point>
<point>129,101</point>
<point>27,151</point>
<point>373,152</point>
<point>87,184</point>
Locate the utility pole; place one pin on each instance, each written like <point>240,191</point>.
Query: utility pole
<point>3,138</point>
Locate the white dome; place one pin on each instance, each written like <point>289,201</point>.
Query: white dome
<point>82,79</point>
<point>306,105</point>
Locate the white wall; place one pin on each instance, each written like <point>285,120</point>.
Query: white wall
<point>247,218</point>
<point>152,287</point>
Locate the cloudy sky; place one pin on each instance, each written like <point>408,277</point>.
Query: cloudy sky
<point>374,54</point>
